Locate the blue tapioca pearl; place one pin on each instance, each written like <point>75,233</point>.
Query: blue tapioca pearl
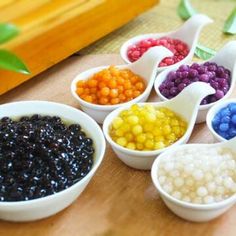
<point>232,107</point>
<point>216,120</point>
<point>222,134</point>
<point>232,132</point>
<point>233,119</point>
<point>225,112</point>
<point>225,119</point>
<point>224,127</point>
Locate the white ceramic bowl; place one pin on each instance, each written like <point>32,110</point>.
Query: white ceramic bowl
<point>189,33</point>
<point>191,211</point>
<point>226,57</point>
<point>146,67</point>
<point>185,104</point>
<point>50,205</point>
<point>211,114</point>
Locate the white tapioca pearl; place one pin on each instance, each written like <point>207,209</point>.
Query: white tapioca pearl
<point>162,179</point>
<point>228,182</point>
<point>174,173</point>
<point>168,188</point>
<point>197,174</point>
<point>208,199</point>
<point>169,166</point>
<point>177,194</point>
<point>208,177</point>
<point>197,200</point>
<point>220,190</point>
<point>189,182</point>
<point>202,191</point>
<point>211,187</point>
<point>189,168</point>
<point>185,190</point>
<point>216,169</point>
<point>186,199</point>
<point>219,180</point>
<point>179,182</point>
<point>192,195</point>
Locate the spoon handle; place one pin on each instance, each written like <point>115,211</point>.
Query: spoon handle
<point>147,65</point>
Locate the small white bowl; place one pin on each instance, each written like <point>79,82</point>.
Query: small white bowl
<point>185,104</point>
<point>189,33</point>
<point>146,67</point>
<point>191,211</point>
<point>211,114</point>
<point>50,205</point>
<point>226,57</point>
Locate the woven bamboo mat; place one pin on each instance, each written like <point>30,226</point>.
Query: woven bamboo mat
<point>163,18</point>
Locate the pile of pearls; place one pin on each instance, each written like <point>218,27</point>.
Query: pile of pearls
<point>199,175</point>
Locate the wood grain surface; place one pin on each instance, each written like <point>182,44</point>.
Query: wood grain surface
<point>119,201</point>
<point>50,31</point>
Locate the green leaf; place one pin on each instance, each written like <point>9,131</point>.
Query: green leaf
<point>9,61</point>
<point>204,52</point>
<point>185,10</point>
<point>7,32</point>
<point>230,23</point>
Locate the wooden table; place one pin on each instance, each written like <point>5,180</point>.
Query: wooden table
<point>119,200</point>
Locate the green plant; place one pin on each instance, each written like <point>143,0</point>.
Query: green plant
<point>8,60</point>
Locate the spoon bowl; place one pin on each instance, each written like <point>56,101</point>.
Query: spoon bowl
<point>192,211</point>
<point>146,67</point>
<point>185,104</point>
<point>226,57</point>
<point>189,33</point>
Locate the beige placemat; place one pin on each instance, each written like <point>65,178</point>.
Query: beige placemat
<point>163,18</point>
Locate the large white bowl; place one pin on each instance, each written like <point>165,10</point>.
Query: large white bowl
<point>191,211</point>
<point>50,205</point>
<point>211,114</point>
<point>226,57</point>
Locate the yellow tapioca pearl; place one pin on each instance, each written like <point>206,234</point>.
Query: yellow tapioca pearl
<point>149,144</point>
<point>117,122</point>
<point>171,137</point>
<point>150,117</point>
<point>166,129</point>
<point>141,138</point>
<point>137,129</point>
<point>176,130</point>
<point>131,146</point>
<point>159,139</point>
<point>174,122</point>
<point>160,115</point>
<point>159,145</point>
<point>133,120</point>
<point>157,131</point>
<point>121,141</point>
<point>124,113</point>
<point>149,135</point>
<point>129,137</point>
<point>134,107</point>
<point>147,127</point>
<point>139,146</point>
<point>119,132</point>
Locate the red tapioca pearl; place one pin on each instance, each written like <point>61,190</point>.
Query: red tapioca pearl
<point>145,44</point>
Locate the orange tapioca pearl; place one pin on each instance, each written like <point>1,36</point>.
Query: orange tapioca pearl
<point>101,85</point>
<point>139,86</point>
<point>127,85</point>
<point>136,93</point>
<point>80,83</point>
<point>103,100</point>
<point>79,91</point>
<point>122,97</point>
<point>120,80</point>
<point>88,98</point>
<point>92,83</point>
<point>115,101</point>
<point>114,93</point>
<point>105,91</point>
<point>112,84</point>
<point>120,89</point>
<point>134,79</point>
<point>86,91</point>
<point>128,93</point>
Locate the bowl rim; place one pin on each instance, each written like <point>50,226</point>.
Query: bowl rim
<point>99,156</point>
<point>165,195</point>
<point>201,107</point>
<point>136,153</point>
<point>99,107</point>
<point>212,112</point>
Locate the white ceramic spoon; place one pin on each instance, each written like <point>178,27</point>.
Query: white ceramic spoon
<point>185,104</point>
<point>226,57</point>
<point>146,67</point>
<point>189,33</point>
<point>191,211</point>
